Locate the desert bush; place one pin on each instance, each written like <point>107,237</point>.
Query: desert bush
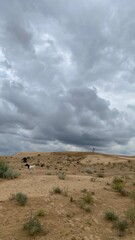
<point>32,226</point>
<point>62,175</point>
<point>57,190</point>
<point>65,191</point>
<point>88,171</point>
<point>21,198</point>
<point>40,213</point>
<point>87,198</point>
<point>124,193</point>
<point>86,201</point>
<point>85,207</point>
<point>111,216</point>
<point>132,195</point>
<point>11,173</point>
<point>121,226</point>
<point>100,174</point>
<point>118,184</point>
<point>130,214</point>
<point>7,172</point>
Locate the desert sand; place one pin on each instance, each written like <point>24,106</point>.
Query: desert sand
<point>64,218</point>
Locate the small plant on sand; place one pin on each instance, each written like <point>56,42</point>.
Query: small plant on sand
<point>32,226</point>
<point>121,226</point>
<point>20,197</point>
<point>62,175</point>
<point>57,190</point>
<point>7,172</point>
<point>40,213</point>
<point>86,202</point>
<point>65,191</point>
<point>88,171</point>
<point>118,184</point>
<point>111,216</point>
<point>87,198</point>
<point>100,174</point>
<point>132,195</point>
<point>130,215</point>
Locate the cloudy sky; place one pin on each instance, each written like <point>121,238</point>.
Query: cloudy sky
<point>67,72</point>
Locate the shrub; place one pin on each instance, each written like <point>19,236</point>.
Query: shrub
<point>7,172</point>
<point>86,202</point>
<point>57,190</point>
<point>61,175</point>
<point>100,175</point>
<point>121,226</point>
<point>87,198</point>
<point>130,214</point>
<point>111,216</point>
<point>3,168</point>
<point>132,195</point>
<point>88,170</point>
<point>124,193</point>
<point>40,213</point>
<point>32,226</point>
<point>86,207</point>
<point>118,184</point>
<point>11,173</point>
<point>21,198</point>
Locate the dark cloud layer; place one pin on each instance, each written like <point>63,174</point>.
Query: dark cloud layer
<point>67,75</point>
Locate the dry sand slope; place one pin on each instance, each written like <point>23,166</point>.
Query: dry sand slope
<point>65,215</point>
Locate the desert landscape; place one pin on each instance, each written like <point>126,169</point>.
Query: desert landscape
<point>74,195</point>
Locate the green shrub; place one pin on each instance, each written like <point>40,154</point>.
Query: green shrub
<point>61,175</point>
<point>11,173</point>
<point>100,175</point>
<point>3,168</point>
<point>124,193</point>
<point>21,198</point>
<point>121,226</point>
<point>57,190</point>
<point>32,226</point>
<point>40,213</point>
<point>86,202</point>
<point>111,216</point>
<point>130,214</point>
<point>132,195</point>
<point>7,172</point>
<point>85,207</point>
<point>118,184</point>
<point>88,171</point>
<point>87,198</point>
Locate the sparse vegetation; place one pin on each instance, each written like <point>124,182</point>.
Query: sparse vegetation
<point>118,184</point>
<point>32,226</point>
<point>111,216</point>
<point>100,174</point>
<point>88,171</point>
<point>130,214</point>
<point>20,197</point>
<point>40,213</point>
<point>132,195</point>
<point>93,205</point>
<point>62,175</point>
<point>87,198</point>
<point>86,202</point>
<point>57,190</point>
<point>121,226</point>
<point>7,172</point>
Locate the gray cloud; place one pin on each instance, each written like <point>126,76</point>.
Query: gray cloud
<point>67,75</point>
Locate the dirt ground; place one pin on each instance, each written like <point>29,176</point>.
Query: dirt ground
<point>64,217</point>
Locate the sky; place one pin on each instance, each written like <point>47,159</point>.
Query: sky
<point>67,73</point>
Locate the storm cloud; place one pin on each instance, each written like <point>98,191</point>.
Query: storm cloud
<point>67,76</point>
